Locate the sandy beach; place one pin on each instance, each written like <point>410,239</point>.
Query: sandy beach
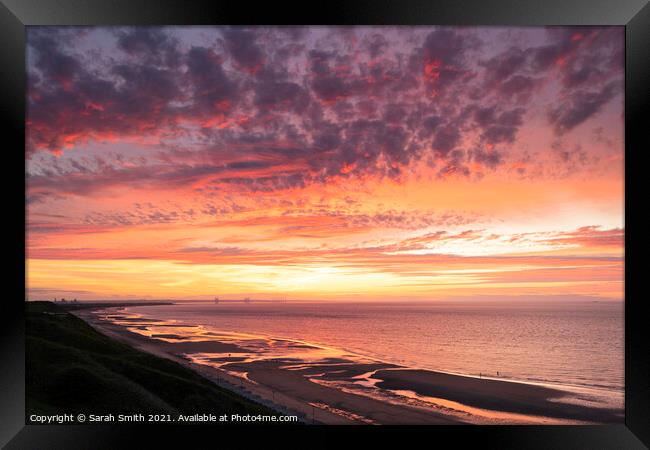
<point>325,387</point>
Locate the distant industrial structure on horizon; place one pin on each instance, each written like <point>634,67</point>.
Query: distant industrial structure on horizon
<point>248,300</point>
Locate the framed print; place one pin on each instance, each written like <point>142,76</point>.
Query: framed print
<point>256,224</point>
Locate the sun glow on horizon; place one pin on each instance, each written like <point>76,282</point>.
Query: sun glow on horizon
<point>332,163</point>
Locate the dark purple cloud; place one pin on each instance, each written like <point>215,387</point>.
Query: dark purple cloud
<point>213,90</point>
<point>504,65</point>
<point>376,44</point>
<point>56,67</point>
<point>582,105</point>
<point>445,140</point>
<point>498,126</point>
<point>150,44</point>
<point>271,108</point>
<point>444,56</point>
<point>243,48</point>
<point>274,91</point>
<point>70,103</point>
<point>490,159</point>
<point>565,42</point>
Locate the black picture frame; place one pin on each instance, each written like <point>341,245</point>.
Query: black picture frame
<point>633,14</point>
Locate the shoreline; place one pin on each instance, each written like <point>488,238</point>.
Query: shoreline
<point>330,390</point>
<point>219,377</point>
<point>74,369</point>
<point>609,387</point>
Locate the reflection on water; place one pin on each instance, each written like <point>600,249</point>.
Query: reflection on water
<point>572,343</point>
<point>326,366</point>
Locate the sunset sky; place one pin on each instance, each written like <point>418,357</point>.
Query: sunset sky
<point>397,163</point>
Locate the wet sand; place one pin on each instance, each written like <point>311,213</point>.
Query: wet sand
<point>490,394</point>
<point>324,387</point>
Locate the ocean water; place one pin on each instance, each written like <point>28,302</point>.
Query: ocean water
<point>572,344</point>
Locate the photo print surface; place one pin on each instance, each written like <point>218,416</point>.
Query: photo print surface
<point>341,225</point>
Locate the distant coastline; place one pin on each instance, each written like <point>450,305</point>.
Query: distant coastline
<point>72,306</point>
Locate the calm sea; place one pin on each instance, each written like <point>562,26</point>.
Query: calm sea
<point>578,343</point>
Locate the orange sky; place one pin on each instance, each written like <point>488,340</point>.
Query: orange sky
<point>325,164</point>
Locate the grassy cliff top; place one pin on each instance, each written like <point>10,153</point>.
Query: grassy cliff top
<point>72,368</point>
